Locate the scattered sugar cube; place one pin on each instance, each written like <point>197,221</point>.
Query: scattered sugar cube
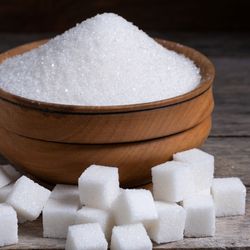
<point>130,237</point>
<point>229,196</point>
<point>99,186</point>
<point>86,237</point>
<point>11,172</point>
<point>172,181</point>
<point>8,225</point>
<point>60,211</point>
<point>94,215</point>
<point>170,224</point>
<point>4,192</point>
<point>135,206</point>
<point>201,165</point>
<point>200,220</point>
<point>28,198</point>
<point>4,178</point>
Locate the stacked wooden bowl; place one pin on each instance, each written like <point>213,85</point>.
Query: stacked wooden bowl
<point>57,142</point>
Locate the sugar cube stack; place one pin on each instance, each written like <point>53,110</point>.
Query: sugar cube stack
<point>229,196</point>
<point>200,212</point>
<point>135,206</point>
<point>130,237</point>
<point>28,198</point>
<point>172,181</point>
<point>170,223</point>
<point>86,237</point>
<point>94,215</point>
<point>99,186</point>
<point>201,165</point>
<point>60,211</point>
<point>8,225</point>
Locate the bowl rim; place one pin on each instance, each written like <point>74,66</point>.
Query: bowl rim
<point>207,78</point>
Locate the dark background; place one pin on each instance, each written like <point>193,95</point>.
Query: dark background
<point>161,15</point>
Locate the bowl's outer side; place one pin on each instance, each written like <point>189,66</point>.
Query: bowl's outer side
<point>105,128</point>
<point>109,125</point>
<point>63,162</point>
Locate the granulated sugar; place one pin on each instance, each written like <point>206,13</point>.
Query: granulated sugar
<point>105,60</point>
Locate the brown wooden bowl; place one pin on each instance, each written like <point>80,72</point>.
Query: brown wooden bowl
<point>57,142</point>
<point>64,162</point>
<point>109,124</point>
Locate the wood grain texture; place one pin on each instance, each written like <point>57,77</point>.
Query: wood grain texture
<point>64,162</point>
<point>232,90</point>
<point>232,156</point>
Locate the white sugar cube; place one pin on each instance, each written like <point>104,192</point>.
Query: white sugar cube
<point>94,215</point>
<point>170,223</point>
<point>99,186</point>
<point>60,211</point>
<point>200,220</point>
<point>28,198</point>
<point>4,192</point>
<point>134,206</point>
<point>201,165</point>
<point>86,237</point>
<point>8,225</point>
<point>11,172</point>
<point>172,181</point>
<point>130,237</point>
<point>229,196</point>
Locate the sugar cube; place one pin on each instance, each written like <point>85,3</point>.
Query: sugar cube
<point>28,198</point>
<point>4,192</point>
<point>99,186</point>
<point>201,165</point>
<point>170,223</point>
<point>134,206</point>
<point>11,172</point>
<point>130,237</point>
<point>172,181</point>
<point>60,211</point>
<point>8,225</point>
<point>86,237</point>
<point>229,196</point>
<point>200,220</point>
<point>94,215</point>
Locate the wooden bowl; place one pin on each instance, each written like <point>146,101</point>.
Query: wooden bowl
<point>57,142</point>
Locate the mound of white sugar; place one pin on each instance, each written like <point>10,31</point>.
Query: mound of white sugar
<point>105,60</point>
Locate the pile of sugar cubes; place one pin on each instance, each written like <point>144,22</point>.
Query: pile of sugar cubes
<point>97,213</point>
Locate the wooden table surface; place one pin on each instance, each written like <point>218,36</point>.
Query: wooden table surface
<point>229,140</point>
